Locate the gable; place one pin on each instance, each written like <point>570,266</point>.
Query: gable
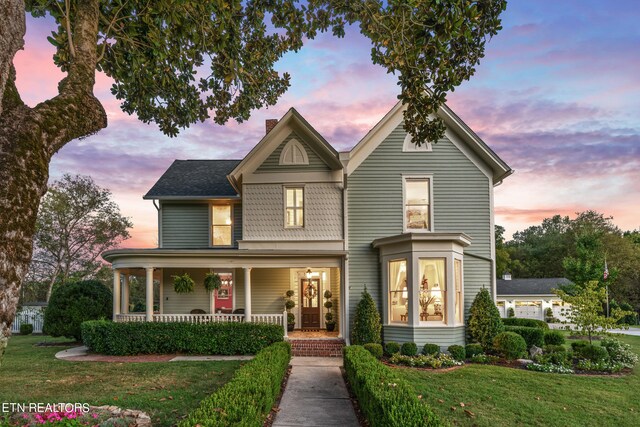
<point>292,155</point>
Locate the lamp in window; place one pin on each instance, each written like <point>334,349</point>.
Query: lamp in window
<point>436,293</point>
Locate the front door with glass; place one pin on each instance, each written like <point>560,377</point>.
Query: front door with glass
<point>310,303</point>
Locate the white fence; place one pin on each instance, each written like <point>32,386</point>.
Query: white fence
<point>36,318</point>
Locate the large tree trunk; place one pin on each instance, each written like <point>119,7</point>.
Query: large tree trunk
<point>29,137</point>
<point>12,30</point>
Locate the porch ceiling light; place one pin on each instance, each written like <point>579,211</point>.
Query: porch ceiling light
<point>308,273</point>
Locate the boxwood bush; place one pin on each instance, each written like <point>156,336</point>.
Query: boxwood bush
<point>391,348</point>
<point>593,353</point>
<point>385,399</point>
<point>431,349</point>
<point>553,337</point>
<point>26,329</point>
<point>374,349</point>
<point>457,352</point>
<point>473,349</point>
<point>129,338</point>
<point>409,349</point>
<point>248,398</point>
<point>510,345</point>
<point>532,336</point>
<point>531,323</point>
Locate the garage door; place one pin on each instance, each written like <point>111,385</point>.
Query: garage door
<point>500,305</point>
<point>529,309</point>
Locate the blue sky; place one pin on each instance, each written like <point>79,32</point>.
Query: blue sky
<point>557,96</point>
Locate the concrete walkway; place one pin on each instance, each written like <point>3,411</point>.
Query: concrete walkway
<point>316,395</point>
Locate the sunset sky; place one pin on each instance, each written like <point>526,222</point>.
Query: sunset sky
<point>557,97</point>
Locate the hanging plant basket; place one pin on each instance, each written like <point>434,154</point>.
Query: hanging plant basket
<point>212,282</point>
<point>183,284</point>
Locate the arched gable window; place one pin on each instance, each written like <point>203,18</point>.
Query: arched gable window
<point>294,154</point>
<point>408,145</point>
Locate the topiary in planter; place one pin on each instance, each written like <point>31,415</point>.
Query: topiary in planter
<point>183,284</point>
<point>431,349</point>
<point>366,326</point>
<point>212,282</point>
<point>484,320</point>
<point>409,349</point>
<point>26,329</point>
<point>391,348</point>
<point>457,352</point>
<point>510,345</point>
<point>73,303</point>
<point>511,312</point>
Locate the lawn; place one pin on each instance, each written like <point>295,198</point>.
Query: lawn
<point>166,391</point>
<point>498,396</point>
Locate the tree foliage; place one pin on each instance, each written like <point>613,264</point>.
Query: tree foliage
<point>366,323</point>
<point>484,320</point>
<point>77,221</point>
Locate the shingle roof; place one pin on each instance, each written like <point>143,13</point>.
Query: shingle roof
<point>530,286</point>
<point>195,178</point>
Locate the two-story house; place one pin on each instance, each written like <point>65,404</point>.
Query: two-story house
<point>414,224</point>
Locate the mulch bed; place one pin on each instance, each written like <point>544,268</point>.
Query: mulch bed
<point>276,407</point>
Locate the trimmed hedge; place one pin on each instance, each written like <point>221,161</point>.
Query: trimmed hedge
<point>594,353</point>
<point>457,352</point>
<point>374,349</point>
<point>26,329</point>
<point>553,337</point>
<point>473,349</point>
<point>431,349</point>
<point>248,398</point>
<point>129,338</point>
<point>531,323</point>
<point>510,345</point>
<point>384,398</point>
<point>409,349</point>
<point>391,348</point>
<point>532,336</point>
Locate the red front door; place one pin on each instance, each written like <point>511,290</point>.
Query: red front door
<point>310,303</point>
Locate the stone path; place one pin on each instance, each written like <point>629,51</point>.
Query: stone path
<point>80,354</point>
<point>316,395</point>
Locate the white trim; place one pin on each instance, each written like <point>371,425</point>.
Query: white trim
<point>430,228</point>
<point>285,188</point>
<point>292,145</point>
<point>211,225</point>
<point>409,147</point>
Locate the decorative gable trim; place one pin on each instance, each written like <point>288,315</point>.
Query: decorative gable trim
<point>294,154</point>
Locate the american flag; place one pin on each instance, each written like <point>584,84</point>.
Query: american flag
<point>606,271</point>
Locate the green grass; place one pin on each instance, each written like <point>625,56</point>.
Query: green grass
<point>499,396</point>
<point>166,391</point>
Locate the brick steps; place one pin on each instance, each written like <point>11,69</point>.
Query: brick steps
<point>317,347</point>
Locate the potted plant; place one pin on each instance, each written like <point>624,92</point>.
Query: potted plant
<point>289,303</point>
<point>330,322</point>
<point>183,284</point>
<point>212,283</point>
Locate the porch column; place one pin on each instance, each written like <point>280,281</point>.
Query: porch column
<point>247,294</point>
<point>149,297</point>
<point>116,293</point>
<point>125,294</point>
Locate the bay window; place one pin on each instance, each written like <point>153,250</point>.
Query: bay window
<point>459,301</point>
<point>433,289</point>
<point>398,291</point>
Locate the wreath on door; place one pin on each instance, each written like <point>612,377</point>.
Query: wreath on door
<point>310,292</point>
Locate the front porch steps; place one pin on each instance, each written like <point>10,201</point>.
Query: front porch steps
<point>316,347</point>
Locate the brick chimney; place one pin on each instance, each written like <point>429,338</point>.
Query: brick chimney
<point>270,124</point>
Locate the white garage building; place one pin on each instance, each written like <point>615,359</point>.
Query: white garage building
<point>530,298</point>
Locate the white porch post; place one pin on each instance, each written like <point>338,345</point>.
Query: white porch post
<point>125,294</point>
<point>116,293</point>
<point>149,297</point>
<point>247,294</point>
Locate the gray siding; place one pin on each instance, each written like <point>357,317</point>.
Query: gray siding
<point>444,336</point>
<point>185,225</point>
<point>461,203</point>
<point>268,286</point>
<point>175,303</point>
<point>272,163</point>
<point>237,223</point>
<point>264,213</point>
<point>335,293</point>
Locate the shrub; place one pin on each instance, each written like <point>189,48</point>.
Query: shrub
<point>532,336</point>
<point>457,352</point>
<point>26,329</point>
<point>385,399</point>
<point>473,349</point>
<point>391,348</point>
<point>248,397</point>
<point>531,323</point>
<point>73,303</point>
<point>549,367</point>
<point>366,325</point>
<point>409,349</point>
<point>431,349</point>
<point>511,312</point>
<point>510,345</point>
<point>128,338</point>
<point>601,366</point>
<point>440,360</point>
<point>555,355</point>
<point>553,337</point>
<point>593,353</point>
<point>618,352</point>
<point>374,349</point>
<point>484,320</point>
<point>577,345</point>
<point>484,358</point>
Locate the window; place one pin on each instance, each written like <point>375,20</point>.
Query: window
<point>457,277</point>
<point>416,204</point>
<point>294,207</point>
<point>433,289</point>
<point>221,228</point>
<point>398,291</point>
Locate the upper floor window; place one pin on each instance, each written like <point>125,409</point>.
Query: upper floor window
<point>417,206</point>
<point>294,154</point>
<point>221,225</point>
<point>294,207</point>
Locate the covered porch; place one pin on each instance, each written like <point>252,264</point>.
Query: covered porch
<point>253,287</point>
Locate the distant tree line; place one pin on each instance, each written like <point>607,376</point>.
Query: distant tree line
<point>576,249</point>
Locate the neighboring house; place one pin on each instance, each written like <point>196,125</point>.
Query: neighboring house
<point>530,298</point>
<point>412,224</point>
